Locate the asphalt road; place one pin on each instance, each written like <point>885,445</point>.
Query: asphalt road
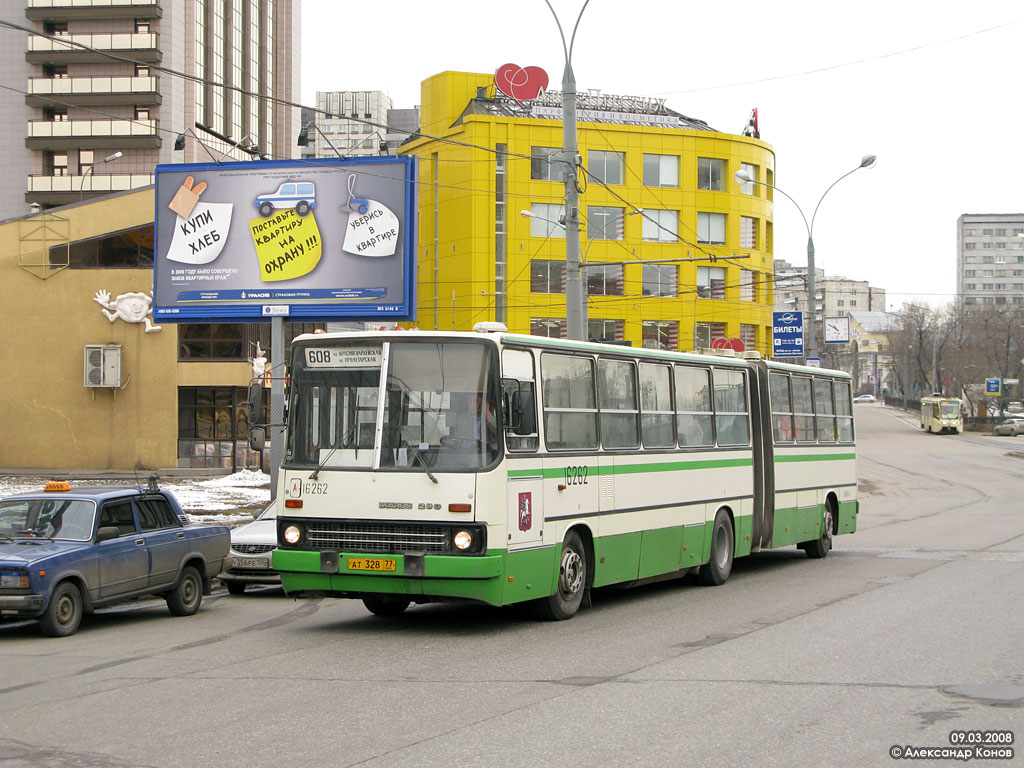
<point>908,630</point>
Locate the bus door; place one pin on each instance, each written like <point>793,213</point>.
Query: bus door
<point>525,502</point>
<point>764,457</point>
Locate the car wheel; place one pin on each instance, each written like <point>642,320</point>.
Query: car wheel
<point>302,208</point>
<point>235,587</point>
<point>64,613</point>
<point>572,582</point>
<point>380,605</point>
<point>185,598</point>
<point>266,209</point>
<point>717,569</point>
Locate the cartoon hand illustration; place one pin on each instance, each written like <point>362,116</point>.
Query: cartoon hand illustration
<point>186,197</point>
<point>103,299</point>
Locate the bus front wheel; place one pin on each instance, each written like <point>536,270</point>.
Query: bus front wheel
<point>717,569</point>
<point>572,581</point>
<point>380,605</point>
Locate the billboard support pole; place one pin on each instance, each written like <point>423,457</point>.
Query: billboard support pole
<point>276,400</point>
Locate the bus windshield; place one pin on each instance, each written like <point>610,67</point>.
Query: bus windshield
<point>440,408</point>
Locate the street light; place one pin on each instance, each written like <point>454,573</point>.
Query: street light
<point>574,296</point>
<point>107,159</point>
<point>742,177</point>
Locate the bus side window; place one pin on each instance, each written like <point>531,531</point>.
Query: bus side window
<point>782,408</point>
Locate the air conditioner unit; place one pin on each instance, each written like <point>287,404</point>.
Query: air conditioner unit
<point>103,365</point>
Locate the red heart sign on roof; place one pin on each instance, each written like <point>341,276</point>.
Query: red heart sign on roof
<point>521,83</point>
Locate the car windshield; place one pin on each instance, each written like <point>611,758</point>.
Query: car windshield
<point>51,517</point>
<point>270,513</point>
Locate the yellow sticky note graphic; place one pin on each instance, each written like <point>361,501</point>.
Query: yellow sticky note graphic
<point>287,245</point>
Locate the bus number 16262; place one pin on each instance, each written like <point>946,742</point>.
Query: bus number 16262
<point>576,475</point>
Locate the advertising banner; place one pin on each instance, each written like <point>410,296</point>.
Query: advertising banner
<point>787,334</point>
<point>305,239</point>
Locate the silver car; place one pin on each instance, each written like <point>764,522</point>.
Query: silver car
<point>1011,427</point>
<point>248,562</point>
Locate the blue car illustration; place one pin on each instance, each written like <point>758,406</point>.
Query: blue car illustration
<point>300,195</point>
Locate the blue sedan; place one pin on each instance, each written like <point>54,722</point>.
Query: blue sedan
<point>65,552</point>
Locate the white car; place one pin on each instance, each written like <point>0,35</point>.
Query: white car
<point>248,562</point>
<point>864,399</point>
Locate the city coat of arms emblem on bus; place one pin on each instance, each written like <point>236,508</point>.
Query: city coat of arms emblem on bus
<point>525,511</point>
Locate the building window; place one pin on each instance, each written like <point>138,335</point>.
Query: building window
<point>212,432</point>
<point>660,280</point>
<point>55,71</point>
<point>1000,233</point>
<point>969,273</point>
<point>603,280</point>
<point>552,328</point>
<point>748,335</point>
<point>710,173</point>
<point>748,285</point>
<point>705,333</point>
<point>711,282</point>
<point>605,223</point>
<point>142,113</point>
<point>55,115</point>
<point>660,226</point>
<point>970,246</point>
<point>661,334</point>
<point>86,157</point>
<point>130,248</point>
<point>748,232</point>
<point>607,166</point>
<point>141,26</point>
<point>212,341</point>
<point>661,171</point>
<point>55,163</point>
<point>841,303</point>
<point>606,330</point>
<point>749,188</point>
<point>56,28</point>
<point>541,166</point>
<point>711,228</point>
<point>547,277</point>
<point>546,220</point>
<point>986,231</point>
<point>141,70</point>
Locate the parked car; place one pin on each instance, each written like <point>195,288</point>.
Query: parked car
<point>1012,427</point>
<point>66,551</point>
<point>864,399</point>
<point>249,559</point>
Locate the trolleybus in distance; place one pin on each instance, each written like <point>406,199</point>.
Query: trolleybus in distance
<point>503,468</point>
<point>941,414</point>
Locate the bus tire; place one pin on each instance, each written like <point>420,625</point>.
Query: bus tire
<point>714,572</point>
<point>382,605</point>
<point>572,582</point>
<point>819,548</point>
<point>64,612</point>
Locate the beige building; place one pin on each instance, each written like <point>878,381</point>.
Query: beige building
<point>97,385</point>
<point>95,97</point>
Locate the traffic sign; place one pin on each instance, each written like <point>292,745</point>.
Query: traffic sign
<point>787,334</point>
<point>992,387</point>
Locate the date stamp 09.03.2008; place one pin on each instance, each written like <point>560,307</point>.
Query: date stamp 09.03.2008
<point>963,746</point>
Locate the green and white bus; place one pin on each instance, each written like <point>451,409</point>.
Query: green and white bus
<point>502,468</point>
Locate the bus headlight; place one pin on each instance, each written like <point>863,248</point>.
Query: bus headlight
<point>463,540</point>
<point>292,534</point>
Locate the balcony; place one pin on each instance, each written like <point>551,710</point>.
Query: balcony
<point>92,134</point>
<point>93,91</point>
<point>60,190</point>
<point>63,10</point>
<point>138,46</point>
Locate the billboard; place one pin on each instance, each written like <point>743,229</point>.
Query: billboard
<point>787,334</point>
<point>301,239</point>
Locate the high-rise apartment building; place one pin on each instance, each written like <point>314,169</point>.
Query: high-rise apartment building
<point>835,295</point>
<point>990,258</point>
<point>103,90</point>
<point>349,124</point>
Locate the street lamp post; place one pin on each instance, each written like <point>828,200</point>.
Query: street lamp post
<point>107,159</point>
<point>573,281</point>
<point>742,177</point>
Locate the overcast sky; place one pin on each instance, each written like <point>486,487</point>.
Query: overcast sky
<point>932,88</point>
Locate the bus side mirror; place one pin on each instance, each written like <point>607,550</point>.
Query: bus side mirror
<point>523,413</point>
<point>257,439</point>
<point>254,403</point>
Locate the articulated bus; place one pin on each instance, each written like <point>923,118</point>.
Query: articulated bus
<point>939,414</point>
<point>502,468</point>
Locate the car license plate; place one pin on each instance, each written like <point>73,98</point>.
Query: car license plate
<point>251,562</point>
<point>371,564</point>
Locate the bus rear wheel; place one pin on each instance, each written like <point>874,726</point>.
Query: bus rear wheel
<point>572,582</point>
<point>380,605</point>
<point>714,572</point>
<point>818,548</point>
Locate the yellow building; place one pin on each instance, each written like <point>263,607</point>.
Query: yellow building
<point>91,382</point>
<point>484,159</point>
